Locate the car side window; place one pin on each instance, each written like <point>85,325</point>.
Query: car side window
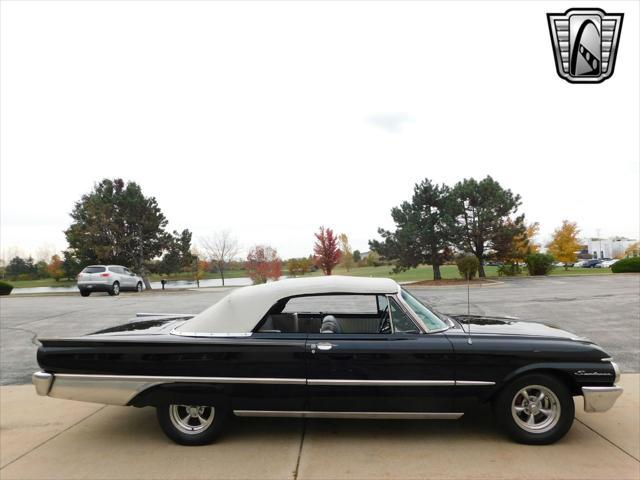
<point>345,314</point>
<point>402,323</point>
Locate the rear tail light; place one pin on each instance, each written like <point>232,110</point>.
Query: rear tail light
<point>104,274</point>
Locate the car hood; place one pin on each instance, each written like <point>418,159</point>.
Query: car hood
<point>510,326</point>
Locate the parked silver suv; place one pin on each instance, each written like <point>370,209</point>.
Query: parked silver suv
<point>108,278</point>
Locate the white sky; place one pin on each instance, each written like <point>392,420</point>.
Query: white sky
<point>271,119</point>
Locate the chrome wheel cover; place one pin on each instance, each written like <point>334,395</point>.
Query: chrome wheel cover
<point>139,287</point>
<point>535,409</point>
<point>116,288</point>
<point>191,419</point>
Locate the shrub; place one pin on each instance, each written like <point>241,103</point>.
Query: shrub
<point>5,288</point>
<point>467,265</point>
<point>539,263</point>
<point>509,270</point>
<point>626,265</point>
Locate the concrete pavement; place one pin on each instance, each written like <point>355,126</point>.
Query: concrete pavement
<point>42,437</point>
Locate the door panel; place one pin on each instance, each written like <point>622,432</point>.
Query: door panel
<point>268,356</point>
<point>380,372</point>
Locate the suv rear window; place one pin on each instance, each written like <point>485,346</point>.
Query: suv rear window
<point>93,270</point>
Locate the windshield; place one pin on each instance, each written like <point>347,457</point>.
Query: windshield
<point>429,318</point>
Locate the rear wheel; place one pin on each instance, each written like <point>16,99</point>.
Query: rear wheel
<point>191,424</point>
<point>139,287</point>
<point>115,289</point>
<point>85,293</point>
<point>535,409</point>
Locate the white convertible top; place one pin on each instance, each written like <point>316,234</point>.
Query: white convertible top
<point>241,310</point>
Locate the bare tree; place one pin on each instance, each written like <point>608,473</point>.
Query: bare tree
<point>220,248</point>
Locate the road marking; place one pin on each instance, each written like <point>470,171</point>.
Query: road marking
<point>605,438</point>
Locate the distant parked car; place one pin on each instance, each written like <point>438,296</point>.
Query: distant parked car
<point>562,264</point>
<point>607,263</point>
<point>579,263</point>
<point>591,263</point>
<point>108,278</point>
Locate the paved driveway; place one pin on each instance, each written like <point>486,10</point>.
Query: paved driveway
<point>603,308</point>
<point>47,438</point>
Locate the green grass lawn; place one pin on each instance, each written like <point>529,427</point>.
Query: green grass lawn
<point>44,282</point>
<point>424,272</point>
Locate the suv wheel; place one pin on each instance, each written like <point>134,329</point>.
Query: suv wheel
<point>115,289</point>
<point>535,409</point>
<point>139,287</point>
<point>85,293</point>
<point>191,424</point>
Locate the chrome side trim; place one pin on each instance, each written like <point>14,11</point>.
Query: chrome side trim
<point>42,382</point>
<point>177,315</point>
<point>121,389</point>
<point>380,383</point>
<point>209,335</point>
<point>465,383</point>
<point>600,399</point>
<point>367,415</point>
<point>398,383</point>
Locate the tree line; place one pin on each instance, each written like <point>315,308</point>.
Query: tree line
<point>116,223</point>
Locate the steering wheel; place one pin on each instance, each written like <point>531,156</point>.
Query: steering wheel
<point>385,321</point>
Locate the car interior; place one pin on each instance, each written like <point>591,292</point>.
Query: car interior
<point>337,314</point>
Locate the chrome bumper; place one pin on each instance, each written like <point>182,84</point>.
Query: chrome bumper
<point>600,399</point>
<point>42,381</point>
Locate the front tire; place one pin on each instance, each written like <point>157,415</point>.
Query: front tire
<point>85,293</point>
<point>115,289</point>
<point>535,409</point>
<point>191,424</point>
<point>139,287</point>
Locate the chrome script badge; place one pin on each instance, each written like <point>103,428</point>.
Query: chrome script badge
<point>585,43</point>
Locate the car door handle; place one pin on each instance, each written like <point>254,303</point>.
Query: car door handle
<point>325,346</point>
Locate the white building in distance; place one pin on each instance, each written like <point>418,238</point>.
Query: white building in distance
<point>607,247</point>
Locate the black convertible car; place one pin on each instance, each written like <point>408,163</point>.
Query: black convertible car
<point>332,347</point>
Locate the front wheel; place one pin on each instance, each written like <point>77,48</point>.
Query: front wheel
<point>139,287</point>
<point>191,424</point>
<point>85,293</point>
<point>535,409</point>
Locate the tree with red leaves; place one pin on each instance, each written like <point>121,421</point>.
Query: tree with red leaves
<point>327,253</point>
<point>263,264</point>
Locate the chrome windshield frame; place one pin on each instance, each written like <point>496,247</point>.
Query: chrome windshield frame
<point>416,317</point>
<point>404,307</point>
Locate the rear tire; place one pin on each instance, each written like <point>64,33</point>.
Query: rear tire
<point>115,289</point>
<point>535,409</point>
<point>139,287</point>
<point>192,424</point>
<point>85,293</point>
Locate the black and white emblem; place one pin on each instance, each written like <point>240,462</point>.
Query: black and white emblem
<point>585,43</point>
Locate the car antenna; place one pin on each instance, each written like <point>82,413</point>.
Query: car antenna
<point>469,309</point>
